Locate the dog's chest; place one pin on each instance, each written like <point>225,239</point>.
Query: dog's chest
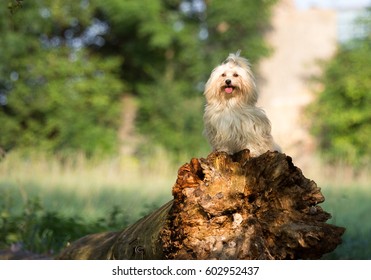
<point>228,120</point>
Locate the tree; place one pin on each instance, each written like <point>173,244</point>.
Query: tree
<point>68,102</point>
<point>161,55</point>
<point>14,5</point>
<point>242,29</point>
<point>341,115</point>
<point>55,94</point>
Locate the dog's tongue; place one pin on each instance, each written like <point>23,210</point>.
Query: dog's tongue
<point>228,89</point>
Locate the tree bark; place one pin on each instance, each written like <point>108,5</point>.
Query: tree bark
<point>226,207</point>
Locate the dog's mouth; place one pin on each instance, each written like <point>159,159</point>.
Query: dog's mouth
<point>228,89</point>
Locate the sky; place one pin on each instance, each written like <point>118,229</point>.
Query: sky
<point>347,13</point>
<point>336,4</point>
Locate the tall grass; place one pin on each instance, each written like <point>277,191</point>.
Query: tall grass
<point>86,186</point>
<point>47,201</point>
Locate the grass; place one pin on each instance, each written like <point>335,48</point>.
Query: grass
<point>86,187</point>
<point>350,207</point>
<point>347,198</point>
<point>46,201</point>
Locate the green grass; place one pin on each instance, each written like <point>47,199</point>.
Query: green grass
<point>85,187</point>
<point>46,202</point>
<point>350,207</point>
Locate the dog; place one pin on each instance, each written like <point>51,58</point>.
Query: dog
<point>232,122</point>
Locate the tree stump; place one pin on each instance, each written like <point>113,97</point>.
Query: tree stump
<point>226,207</point>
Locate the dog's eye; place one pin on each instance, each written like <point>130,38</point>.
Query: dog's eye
<point>235,75</point>
<point>223,75</point>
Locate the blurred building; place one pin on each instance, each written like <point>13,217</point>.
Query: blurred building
<point>303,32</point>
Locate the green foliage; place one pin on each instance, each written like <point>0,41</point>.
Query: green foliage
<point>341,114</point>
<point>42,231</point>
<point>241,29</point>
<point>60,88</point>
<point>58,98</point>
<point>49,200</point>
<point>14,5</point>
<point>172,118</point>
<point>62,104</point>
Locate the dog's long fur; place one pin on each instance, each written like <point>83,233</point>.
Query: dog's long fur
<point>232,122</point>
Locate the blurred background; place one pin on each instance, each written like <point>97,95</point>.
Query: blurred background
<point>101,102</point>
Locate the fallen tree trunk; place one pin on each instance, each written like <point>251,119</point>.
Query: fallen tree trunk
<point>226,207</point>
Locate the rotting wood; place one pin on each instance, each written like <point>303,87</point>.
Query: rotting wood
<point>226,207</point>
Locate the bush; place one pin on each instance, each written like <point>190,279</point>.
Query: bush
<point>45,232</point>
<point>63,104</point>
<point>341,115</point>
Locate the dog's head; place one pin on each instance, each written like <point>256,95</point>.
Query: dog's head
<point>232,80</point>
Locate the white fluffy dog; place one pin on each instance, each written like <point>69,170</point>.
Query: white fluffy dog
<point>232,121</point>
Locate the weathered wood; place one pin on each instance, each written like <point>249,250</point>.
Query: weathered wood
<point>226,207</point>
<point>139,241</point>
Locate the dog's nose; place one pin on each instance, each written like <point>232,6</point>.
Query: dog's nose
<point>228,81</point>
